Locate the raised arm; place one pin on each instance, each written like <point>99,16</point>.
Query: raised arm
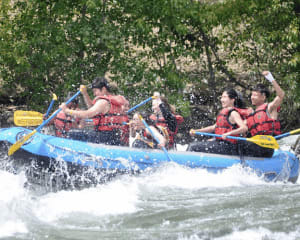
<point>279,93</point>
<point>161,138</point>
<point>88,101</point>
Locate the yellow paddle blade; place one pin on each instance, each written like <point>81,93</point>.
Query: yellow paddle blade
<point>264,141</point>
<point>27,118</point>
<point>54,97</point>
<point>19,143</point>
<point>295,131</point>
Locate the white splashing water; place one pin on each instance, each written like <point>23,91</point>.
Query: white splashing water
<point>12,190</point>
<point>111,199</point>
<point>260,234</point>
<point>123,196</point>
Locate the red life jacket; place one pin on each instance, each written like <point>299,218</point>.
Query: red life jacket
<point>62,124</point>
<point>161,123</point>
<point>244,112</point>
<point>124,119</point>
<point>259,122</point>
<point>179,119</point>
<point>223,124</point>
<point>114,118</point>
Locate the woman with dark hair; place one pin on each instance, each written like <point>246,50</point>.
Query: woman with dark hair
<point>143,137</point>
<point>165,118</point>
<point>230,122</point>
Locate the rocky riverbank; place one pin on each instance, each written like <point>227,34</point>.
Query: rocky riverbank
<point>7,115</point>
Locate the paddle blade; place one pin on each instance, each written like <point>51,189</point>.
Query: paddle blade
<point>295,131</point>
<point>19,143</point>
<point>27,118</point>
<point>264,141</point>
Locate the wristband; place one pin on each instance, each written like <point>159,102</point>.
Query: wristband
<point>269,77</point>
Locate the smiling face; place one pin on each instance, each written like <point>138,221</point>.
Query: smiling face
<point>226,101</point>
<point>257,98</point>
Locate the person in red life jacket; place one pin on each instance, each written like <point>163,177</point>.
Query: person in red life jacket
<point>143,138</point>
<point>63,123</point>
<point>229,123</point>
<point>165,118</point>
<point>125,119</point>
<point>264,120</point>
<point>107,112</point>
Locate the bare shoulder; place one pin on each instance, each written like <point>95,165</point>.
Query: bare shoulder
<point>235,114</point>
<point>102,106</point>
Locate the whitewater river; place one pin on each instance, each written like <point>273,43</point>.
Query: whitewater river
<point>170,203</point>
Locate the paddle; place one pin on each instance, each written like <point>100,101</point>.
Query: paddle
<point>287,134</point>
<point>140,104</point>
<point>21,141</point>
<point>261,140</point>
<point>31,118</point>
<point>27,118</point>
<point>54,98</point>
<point>153,135</point>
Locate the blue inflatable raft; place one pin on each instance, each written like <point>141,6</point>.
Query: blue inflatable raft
<point>49,151</point>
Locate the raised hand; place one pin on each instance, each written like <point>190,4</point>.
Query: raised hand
<point>268,76</point>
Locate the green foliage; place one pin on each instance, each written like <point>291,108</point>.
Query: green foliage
<point>54,46</point>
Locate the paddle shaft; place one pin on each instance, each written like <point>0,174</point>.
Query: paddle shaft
<point>140,104</point>
<point>49,108</point>
<point>156,139</point>
<point>51,105</point>
<point>288,134</point>
<point>218,135</point>
<point>56,112</point>
<point>261,140</point>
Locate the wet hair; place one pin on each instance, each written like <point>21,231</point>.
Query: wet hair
<point>100,82</point>
<point>69,95</point>
<point>237,96</point>
<point>262,89</point>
